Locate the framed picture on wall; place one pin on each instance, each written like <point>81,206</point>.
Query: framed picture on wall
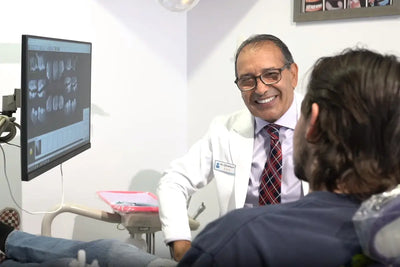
<point>314,10</point>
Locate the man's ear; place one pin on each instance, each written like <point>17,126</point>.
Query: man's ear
<point>294,71</point>
<point>312,131</point>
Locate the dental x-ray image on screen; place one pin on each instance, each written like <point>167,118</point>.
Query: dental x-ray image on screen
<point>55,102</point>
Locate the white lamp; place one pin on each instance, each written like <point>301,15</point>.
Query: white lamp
<point>178,5</point>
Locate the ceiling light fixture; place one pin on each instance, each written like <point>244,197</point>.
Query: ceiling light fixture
<point>178,5</point>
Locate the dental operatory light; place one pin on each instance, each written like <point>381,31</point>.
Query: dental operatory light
<point>178,5</point>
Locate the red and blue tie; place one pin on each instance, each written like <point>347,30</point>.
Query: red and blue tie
<point>270,182</point>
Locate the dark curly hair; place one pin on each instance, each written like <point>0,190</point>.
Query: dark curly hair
<point>357,147</point>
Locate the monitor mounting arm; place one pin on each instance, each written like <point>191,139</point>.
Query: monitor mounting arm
<point>11,103</point>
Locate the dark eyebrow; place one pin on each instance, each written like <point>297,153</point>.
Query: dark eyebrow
<point>249,75</point>
<point>268,69</point>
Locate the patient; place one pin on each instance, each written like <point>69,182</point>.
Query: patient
<point>345,145</point>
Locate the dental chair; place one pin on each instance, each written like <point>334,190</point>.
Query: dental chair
<point>137,212</point>
<point>377,223</point>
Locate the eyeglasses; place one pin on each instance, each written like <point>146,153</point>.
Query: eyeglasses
<point>270,76</point>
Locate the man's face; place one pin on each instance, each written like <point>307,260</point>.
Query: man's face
<point>300,149</point>
<point>268,102</point>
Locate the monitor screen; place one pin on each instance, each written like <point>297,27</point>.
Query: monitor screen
<point>55,102</point>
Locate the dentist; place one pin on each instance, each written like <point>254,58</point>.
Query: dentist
<point>236,150</point>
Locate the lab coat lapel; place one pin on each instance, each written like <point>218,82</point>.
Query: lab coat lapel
<point>242,136</point>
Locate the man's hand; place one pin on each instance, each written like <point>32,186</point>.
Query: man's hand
<point>179,248</point>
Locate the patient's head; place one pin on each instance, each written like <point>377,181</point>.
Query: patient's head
<point>353,144</point>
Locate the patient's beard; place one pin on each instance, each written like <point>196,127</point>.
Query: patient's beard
<point>300,172</point>
<point>301,162</point>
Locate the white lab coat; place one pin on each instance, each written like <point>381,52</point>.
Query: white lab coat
<point>229,140</point>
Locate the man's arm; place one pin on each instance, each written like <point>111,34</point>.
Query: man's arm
<point>173,195</point>
<point>185,176</point>
<point>179,248</point>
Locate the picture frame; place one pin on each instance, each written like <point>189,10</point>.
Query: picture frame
<point>318,9</point>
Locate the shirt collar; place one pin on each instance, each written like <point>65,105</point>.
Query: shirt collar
<point>288,119</point>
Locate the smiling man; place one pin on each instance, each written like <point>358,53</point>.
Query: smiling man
<point>267,79</point>
<point>248,153</point>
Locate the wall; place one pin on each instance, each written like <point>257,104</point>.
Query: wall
<point>158,80</point>
<point>216,28</point>
<point>138,96</point>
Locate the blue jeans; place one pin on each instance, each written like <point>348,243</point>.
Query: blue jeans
<point>23,249</point>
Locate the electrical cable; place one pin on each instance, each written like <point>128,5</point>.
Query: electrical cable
<point>8,127</point>
<point>11,193</point>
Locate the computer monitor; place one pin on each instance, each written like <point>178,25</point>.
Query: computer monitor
<point>55,102</point>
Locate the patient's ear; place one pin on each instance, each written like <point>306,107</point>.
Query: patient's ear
<point>312,129</point>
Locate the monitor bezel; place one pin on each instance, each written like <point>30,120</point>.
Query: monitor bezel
<point>29,175</point>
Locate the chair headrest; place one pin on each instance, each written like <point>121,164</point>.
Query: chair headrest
<point>377,223</point>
